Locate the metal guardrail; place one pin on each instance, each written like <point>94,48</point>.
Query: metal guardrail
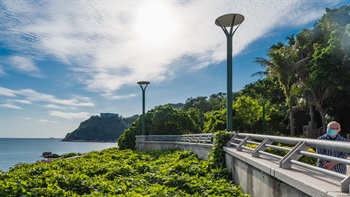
<point>300,147</point>
<point>193,138</point>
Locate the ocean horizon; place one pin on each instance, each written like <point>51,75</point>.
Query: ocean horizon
<point>29,150</point>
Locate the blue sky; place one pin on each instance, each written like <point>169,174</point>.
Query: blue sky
<point>64,61</point>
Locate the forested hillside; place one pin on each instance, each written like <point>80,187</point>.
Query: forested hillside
<point>100,129</point>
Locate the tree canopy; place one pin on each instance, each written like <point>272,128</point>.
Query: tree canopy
<point>163,120</point>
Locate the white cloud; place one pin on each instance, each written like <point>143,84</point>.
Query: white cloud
<point>111,96</point>
<point>109,44</point>
<point>7,92</point>
<point>52,106</point>
<point>25,65</point>
<point>67,115</point>
<point>31,96</point>
<point>47,121</point>
<point>11,106</point>
<point>2,72</point>
<point>21,101</point>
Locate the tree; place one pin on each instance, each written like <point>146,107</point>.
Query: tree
<point>282,64</point>
<point>248,114</point>
<point>267,88</point>
<point>215,121</point>
<point>217,101</point>
<point>163,120</point>
<point>275,108</point>
<point>328,73</point>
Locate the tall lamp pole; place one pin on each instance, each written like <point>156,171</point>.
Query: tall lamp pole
<point>262,102</point>
<point>233,21</point>
<point>143,85</point>
<point>201,98</point>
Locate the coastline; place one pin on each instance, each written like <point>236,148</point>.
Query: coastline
<point>29,150</point>
<point>100,141</point>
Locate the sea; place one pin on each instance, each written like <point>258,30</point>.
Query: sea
<point>29,150</point>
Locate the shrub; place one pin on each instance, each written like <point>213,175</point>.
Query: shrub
<point>72,154</point>
<point>217,153</point>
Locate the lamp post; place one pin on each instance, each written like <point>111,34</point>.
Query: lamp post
<point>233,21</point>
<point>143,85</point>
<point>263,102</point>
<point>201,98</point>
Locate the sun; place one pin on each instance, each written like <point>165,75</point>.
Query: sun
<point>156,24</point>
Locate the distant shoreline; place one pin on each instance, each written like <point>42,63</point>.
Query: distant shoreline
<point>29,150</point>
<point>53,138</point>
<point>58,138</point>
<point>101,141</point>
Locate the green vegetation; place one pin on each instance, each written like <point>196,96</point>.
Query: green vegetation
<point>113,172</point>
<point>217,153</point>
<point>72,154</point>
<point>313,68</point>
<point>163,120</point>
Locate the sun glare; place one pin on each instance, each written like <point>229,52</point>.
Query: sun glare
<point>156,25</point>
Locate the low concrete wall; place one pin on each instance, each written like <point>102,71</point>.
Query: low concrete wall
<point>200,149</point>
<point>262,177</point>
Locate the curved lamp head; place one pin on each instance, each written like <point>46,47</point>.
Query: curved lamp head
<point>143,82</point>
<point>229,20</point>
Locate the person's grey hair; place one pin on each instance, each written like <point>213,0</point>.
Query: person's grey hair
<point>333,122</point>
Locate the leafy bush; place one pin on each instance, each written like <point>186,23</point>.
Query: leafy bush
<point>128,140</point>
<point>72,154</point>
<point>114,172</point>
<point>217,153</point>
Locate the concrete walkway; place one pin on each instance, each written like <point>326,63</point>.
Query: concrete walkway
<point>307,181</point>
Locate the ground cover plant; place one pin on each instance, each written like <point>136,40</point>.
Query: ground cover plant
<point>114,172</point>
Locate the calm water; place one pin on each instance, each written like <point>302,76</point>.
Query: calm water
<point>26,150</point>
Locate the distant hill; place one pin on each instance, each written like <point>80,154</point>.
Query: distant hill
<point>105,128</point>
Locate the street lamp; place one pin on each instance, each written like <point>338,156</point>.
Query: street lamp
<point>201,98</point>
<point>233,21</point>
<point>262,102</point>
<point>143,85</point>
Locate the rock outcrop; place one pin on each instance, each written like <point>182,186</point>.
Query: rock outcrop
<point>50,155</point>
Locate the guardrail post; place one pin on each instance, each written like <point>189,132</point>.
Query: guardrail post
<point>228,144</point>
<point>243,143</point>
<point>345,184</point>
<point>293,154</point>
<point>261,147</point>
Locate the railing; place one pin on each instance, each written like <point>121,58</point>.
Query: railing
<point>194,138</point>
<point>300,147</point>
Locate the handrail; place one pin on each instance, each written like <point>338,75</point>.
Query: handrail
<point>331,145</point>
<point>301,145</point>
<point>196,138</point>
